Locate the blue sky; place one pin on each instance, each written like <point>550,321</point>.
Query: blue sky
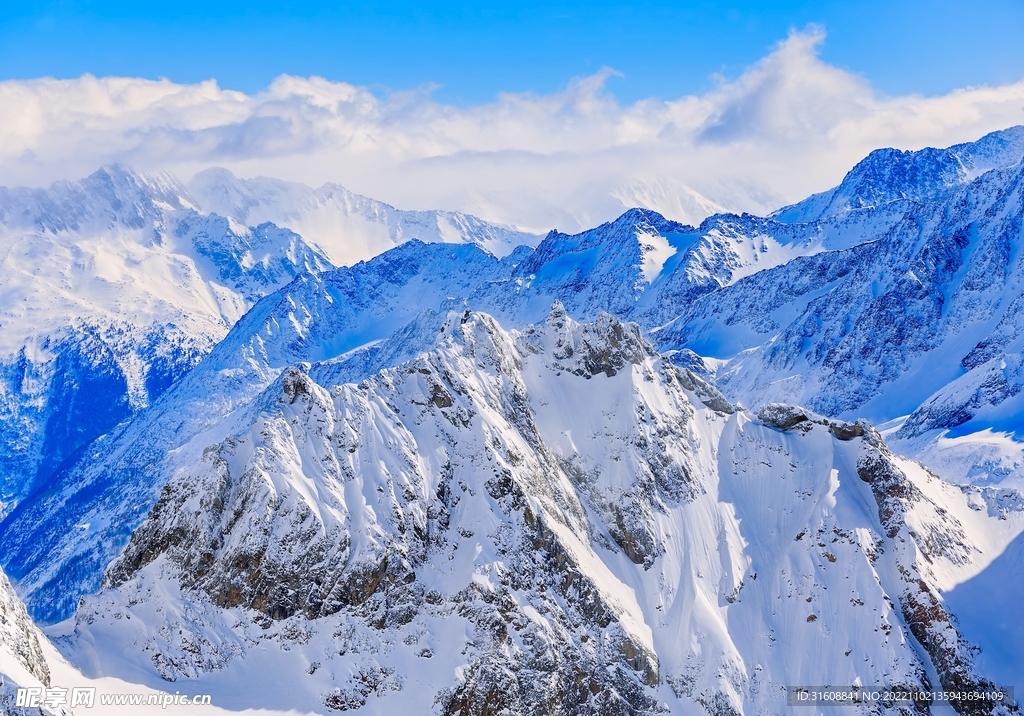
<point>475,50</point>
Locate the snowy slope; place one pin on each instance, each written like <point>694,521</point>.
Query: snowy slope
<point>345,226</point>
<point>29,660</point>
<point>552,519</point>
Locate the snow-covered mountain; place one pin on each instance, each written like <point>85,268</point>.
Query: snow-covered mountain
<point>354,321</point>
<point>921,319</point>
<point>411,481</point>
<point>715,289</point>
<point>890,175</point>
<point>557,519</point>
<point>116,285</point>
<point>113,288</point>
<point>343,225</point>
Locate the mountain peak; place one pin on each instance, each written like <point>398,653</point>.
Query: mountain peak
<point>888,175</point>
<point>648,218</point>
<point>343,225</point>
<point>113,195</point>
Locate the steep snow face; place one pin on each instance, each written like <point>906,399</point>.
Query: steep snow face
<point>345,226</point>
<point>86,248</point>
<point>553,519</point>
<point>891,175</point>
<point>606,268</point>
<point>252,262</point>
<point>112,196</point>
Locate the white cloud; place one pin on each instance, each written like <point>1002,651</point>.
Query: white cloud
<point>789,126</point>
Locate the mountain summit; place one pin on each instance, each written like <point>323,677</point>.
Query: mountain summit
<point>926,175</point>
<point>562,516</point>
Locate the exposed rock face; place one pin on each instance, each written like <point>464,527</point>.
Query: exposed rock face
<point>786,417</point>
<point>922,609</point>
<point>606,347</point>
<point>782,416</point>
<point>19,637</point>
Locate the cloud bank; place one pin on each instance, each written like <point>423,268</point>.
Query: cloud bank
<point>790,125</point>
